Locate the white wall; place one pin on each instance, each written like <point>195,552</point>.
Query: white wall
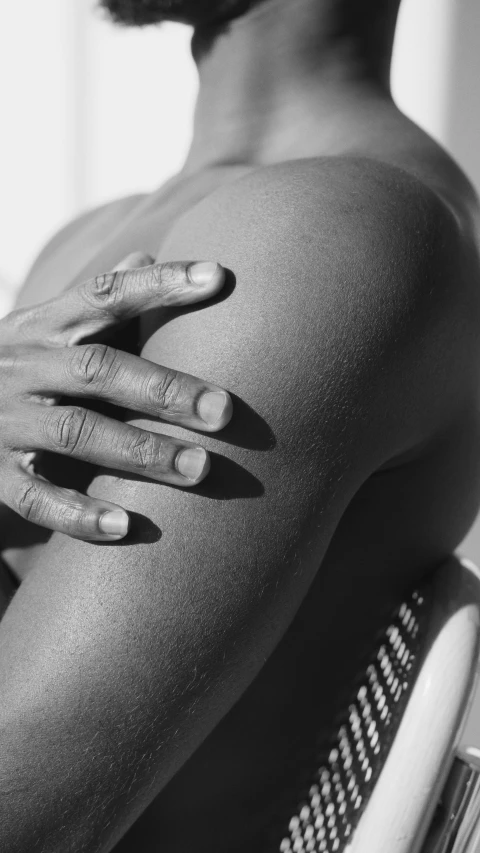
<point>36,74</point>
<point>90,112</point>
<point>136,91</point>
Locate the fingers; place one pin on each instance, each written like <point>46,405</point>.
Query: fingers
<point>94,438</point>
<point>117,296</point>
<point>97,371</point>
<point>64,510</point>
<point>44,321</point>
<point>101,372</point>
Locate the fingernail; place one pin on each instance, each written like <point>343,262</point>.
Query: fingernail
<point>203,272</point>
<point>191,462</point>
<point>115,523</point>
<point>211,406</point>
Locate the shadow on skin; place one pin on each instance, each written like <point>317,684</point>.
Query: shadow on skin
<point>19,533</point>
<point>247,428</point>
<point>126,336</point>
<point>142,532</point>
<point>228,480</point>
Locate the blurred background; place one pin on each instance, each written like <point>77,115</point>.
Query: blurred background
<point>92,112</point>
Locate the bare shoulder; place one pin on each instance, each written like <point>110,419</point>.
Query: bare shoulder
<point>336,205</point>
<point>359,270</point>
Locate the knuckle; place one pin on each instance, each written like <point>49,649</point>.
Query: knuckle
<point>163,274</point>
<point>105,290</point>
<point>34,504</point>
<point>94,364</point>
<point>169,279</point>
<point>27,501</point>
<point>69,515</point>
<point>164,392</point>
<point>69,430</point>
<point>141,451</point>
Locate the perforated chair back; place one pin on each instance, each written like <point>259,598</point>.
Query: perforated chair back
<point>383,785</point>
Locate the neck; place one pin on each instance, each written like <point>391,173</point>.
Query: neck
<point>277,82</point>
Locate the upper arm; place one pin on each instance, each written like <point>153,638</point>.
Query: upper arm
<point>117,661</point>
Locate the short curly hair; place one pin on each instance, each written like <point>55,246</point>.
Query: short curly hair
<point>144,12</point>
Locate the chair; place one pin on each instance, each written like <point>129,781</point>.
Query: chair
<point>392,779</point>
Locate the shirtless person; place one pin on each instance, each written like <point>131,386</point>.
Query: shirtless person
<point>158,693</point>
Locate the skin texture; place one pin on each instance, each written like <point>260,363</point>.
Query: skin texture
<point>136,654</point>
<point>174,685</point>
<point>44,357</point>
